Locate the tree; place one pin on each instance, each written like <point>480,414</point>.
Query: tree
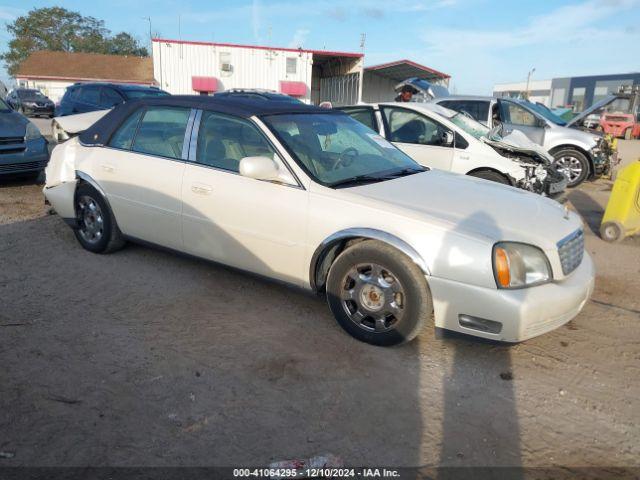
<point>125,44</point>
<point>59,29</point>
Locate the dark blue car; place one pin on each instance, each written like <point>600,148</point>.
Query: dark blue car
<point>23,149</point>
<point>89,97</point>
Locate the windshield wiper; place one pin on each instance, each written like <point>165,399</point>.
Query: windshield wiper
<point>404,172</point>
<point>357,180</point>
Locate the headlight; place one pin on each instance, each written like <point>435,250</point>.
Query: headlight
<point>517,265</point>
<point>32,132</point>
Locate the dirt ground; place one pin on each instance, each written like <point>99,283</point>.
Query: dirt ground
<point>144,357</point>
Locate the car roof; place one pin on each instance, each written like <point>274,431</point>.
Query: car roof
<point>245,107</point>
<point>121,86</point>
<point>428,106</point>
<point>464,97</point>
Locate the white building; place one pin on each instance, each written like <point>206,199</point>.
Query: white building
<point>52,72</point>
<point>185,67</point>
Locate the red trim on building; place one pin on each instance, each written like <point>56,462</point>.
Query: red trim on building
<point>295,89</point>
<point>204,84</point>
<point>260,47</point>
<point>408,62</point>
<point>78,79</point>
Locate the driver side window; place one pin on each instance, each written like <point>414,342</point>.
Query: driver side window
<point>407,126</point>
<point>517,115</point>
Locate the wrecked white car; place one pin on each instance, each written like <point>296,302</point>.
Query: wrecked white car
<point>440,138</point>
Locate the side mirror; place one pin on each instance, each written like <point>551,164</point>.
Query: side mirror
<point>264,168</point>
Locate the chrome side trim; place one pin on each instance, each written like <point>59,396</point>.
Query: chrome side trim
<point>187,135</point>
<point>367,233</point>
<point>193,140</point>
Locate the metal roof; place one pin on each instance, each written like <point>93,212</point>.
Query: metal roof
<point>328,53</point>
<point>402,69</point>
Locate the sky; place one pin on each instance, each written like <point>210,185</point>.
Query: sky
<point>477,42</point>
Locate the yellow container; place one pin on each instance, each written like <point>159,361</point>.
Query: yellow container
<point>622,216</point>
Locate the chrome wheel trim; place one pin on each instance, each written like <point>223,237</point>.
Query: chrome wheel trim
<point>570,166</point>
<point>372,297</point>
<point>90,219</point>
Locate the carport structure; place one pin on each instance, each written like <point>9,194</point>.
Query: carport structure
<point>379,80</point>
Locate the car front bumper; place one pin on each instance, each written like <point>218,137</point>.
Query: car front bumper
<point>27,157</point>
<point>521,314</point>
<point>36,110</point>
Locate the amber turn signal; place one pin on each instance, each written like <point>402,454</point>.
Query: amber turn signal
<point>502,272</point>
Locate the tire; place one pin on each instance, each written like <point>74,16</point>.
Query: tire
<point>611,232</point>
<point>574,164</point>
<point>97,230</point>
<point>491,176</point>
<point>40,177</point>
<point>394,287</point>
<point>628,134</point>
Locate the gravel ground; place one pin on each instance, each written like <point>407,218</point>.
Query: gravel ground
<point>144,357</point>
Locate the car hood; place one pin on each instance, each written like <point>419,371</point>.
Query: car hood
<point>585,113</point>
<point>74,124</point>
<point>476,207</point>
<point>12,124</point>
<point>516,142</point>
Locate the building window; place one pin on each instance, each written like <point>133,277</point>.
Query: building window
<point>577,98</point>
<point>226,68</point>
<point>292,65</point>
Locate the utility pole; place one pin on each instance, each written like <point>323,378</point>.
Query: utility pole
<point>363,40</point>
<point>526,93</point>
<point>148,19</point>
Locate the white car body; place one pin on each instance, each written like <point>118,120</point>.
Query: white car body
<point>446,224</point>
<point>476,156</point>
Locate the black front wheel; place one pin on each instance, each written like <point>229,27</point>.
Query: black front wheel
<point>97,230</point>
<point>573,164</point>
<point>378,294</point>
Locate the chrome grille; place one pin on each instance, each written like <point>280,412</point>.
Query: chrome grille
<point>571,251</point>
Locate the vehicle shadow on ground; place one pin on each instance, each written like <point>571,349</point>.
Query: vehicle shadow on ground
<point>480,419</point>
<point>148,358</point>
<point>590,210</point>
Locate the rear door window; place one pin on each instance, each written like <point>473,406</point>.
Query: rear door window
<point>478,109</point>
<point>161,132</point>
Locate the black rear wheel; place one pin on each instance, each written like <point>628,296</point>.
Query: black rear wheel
<point>97,230</point>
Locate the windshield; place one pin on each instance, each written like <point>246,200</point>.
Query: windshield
<point>152,92</point>
<point>470,125</point>
<point>335,149</point>
<point>30,94</point>
<point>546,113</point>
<point>3,105</point>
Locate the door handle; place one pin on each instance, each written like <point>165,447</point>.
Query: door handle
<point>107,168</point>
<point>201,189</point>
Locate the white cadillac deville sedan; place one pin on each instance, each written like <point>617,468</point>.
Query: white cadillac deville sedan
<point>314,198</point>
